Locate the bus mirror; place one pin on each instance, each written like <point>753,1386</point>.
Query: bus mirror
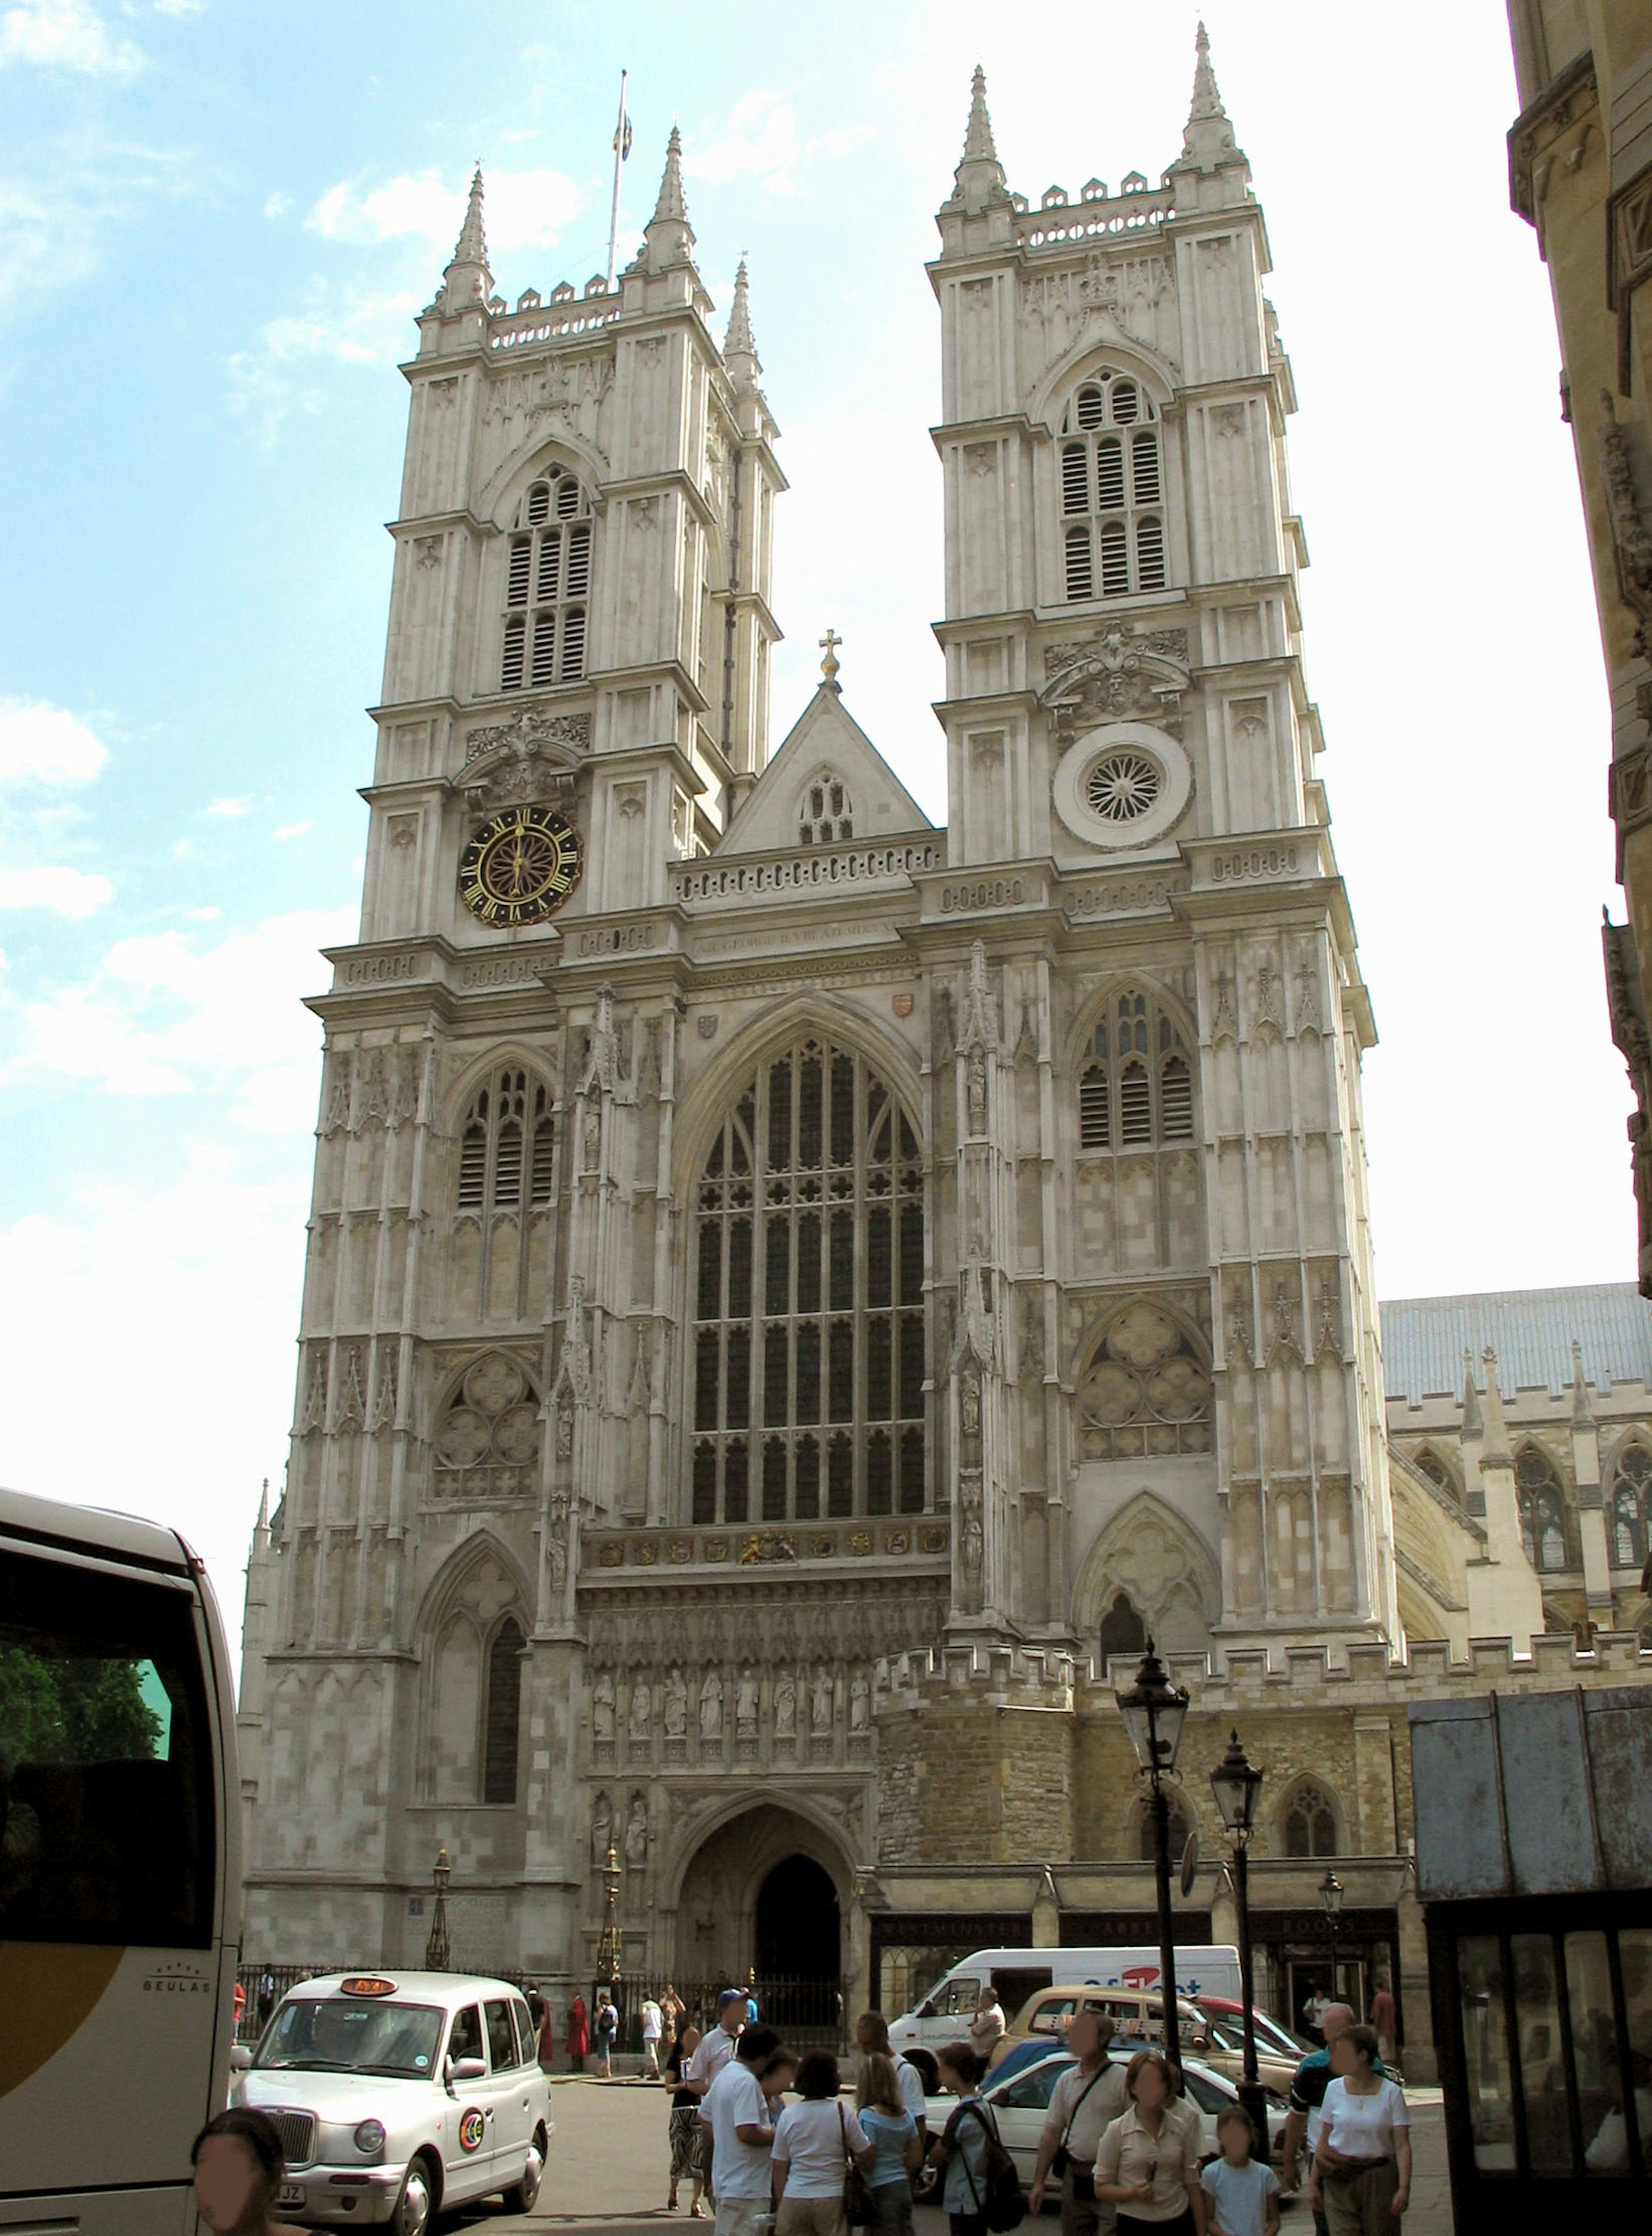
<point>240,2058</point>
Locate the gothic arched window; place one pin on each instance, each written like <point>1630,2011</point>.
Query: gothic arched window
<point>808,1289</point>
<point>1309,1823</point>
<point>1630,1507</point>
<point>547,585</point>
<point>506,1145</point>
<point>1122,1630</point>
<point>1135,1087</point>
<point>1147,1390</point>
<point>1429,1464</point>
<point>825,813</point>
<point>486,1441</point>
<point>1542,1509</point>
<point>1111,488</point>
<point>502,1714</point>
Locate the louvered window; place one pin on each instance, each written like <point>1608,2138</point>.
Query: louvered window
<point>1135,1082</point>
<point>825,813</point>
<point>1111,477</point>
<point>809,1292</point>
<point>548,583</point>
<point>506,1142</point>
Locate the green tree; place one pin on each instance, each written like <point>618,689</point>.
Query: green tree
<point>72,1709</point>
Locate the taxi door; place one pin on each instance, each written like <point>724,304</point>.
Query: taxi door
<point>512,2097</point>
<point>470,2123</point>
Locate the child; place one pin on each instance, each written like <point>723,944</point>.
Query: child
<point>1243,2191</point>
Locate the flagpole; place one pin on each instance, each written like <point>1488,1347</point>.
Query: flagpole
<point>621,148</point>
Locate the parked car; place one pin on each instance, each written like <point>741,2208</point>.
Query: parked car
<point>1278,2053</point>
<point>1138,2014</point>
<point>396,2098</point>
<point>1020,2103</point>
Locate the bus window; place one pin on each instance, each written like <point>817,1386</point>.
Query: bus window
<point>106,1802</point>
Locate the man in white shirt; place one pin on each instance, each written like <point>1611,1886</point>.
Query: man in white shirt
<point>651,2026</point>
<point>717,2045</point>
<point>1084,2102</point>
<point>872,2040</point>
<point>736,2111</point>
<point>986,2026</point>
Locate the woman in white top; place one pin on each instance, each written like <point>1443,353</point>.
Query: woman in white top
<point>987,2027</point>
<point>1361,2178</point>
<point>814,2140</point>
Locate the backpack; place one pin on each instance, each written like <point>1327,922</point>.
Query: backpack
<point>1003,2207</point>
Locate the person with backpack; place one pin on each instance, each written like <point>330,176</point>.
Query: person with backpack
<point>605,2026</point>
<point>981,2191</point>
<point>1086,2100</point>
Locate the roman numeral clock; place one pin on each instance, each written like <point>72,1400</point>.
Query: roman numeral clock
<point>519,866</point>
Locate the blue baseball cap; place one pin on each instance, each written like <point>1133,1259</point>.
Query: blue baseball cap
<point>730,1995</point>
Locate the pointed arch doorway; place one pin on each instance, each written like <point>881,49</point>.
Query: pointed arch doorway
<point>761,1899</point>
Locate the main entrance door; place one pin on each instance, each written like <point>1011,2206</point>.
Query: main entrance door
<point>760,1904</point>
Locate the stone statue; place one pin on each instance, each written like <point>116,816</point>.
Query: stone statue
<point>565,1429</point>
<point>641,1709</point>
<point>556,1554</point>
<point>820,1702</point>
<point>676,1706</point>
<point>711,1706</point>
<point>601,1830</point>
<point>637,1833</point>
<point>592,1138</point>
<point>977,1092</point>
<point>969,1405</point>
<point>745,1706</point>
<point>785,1705</point>
<point>602,1707</point>
<point>860,1705</point>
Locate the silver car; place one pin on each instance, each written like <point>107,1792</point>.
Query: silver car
<point>397,2097</point>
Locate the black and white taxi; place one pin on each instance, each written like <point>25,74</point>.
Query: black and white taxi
<point>398,2097</point>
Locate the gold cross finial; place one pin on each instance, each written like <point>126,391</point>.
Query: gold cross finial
<point>828,645</point>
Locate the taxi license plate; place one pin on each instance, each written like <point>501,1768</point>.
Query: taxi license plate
<point>292,2194</point>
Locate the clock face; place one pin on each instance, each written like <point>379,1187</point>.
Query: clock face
<point>519,867</point>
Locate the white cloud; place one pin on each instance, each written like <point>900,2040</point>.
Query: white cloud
<point>276,205</point>
<point>43,744</point>
<point>64,35</point>
<point>760,139</point>
<point>65,893</point>
<point>359,329</point>
<point>179,7</point>
<point>230,809</point>
<point>292,830</point>
<point>267,398</point>
<point>523,209</point>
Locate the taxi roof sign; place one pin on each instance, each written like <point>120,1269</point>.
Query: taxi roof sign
<point>366,1984</point>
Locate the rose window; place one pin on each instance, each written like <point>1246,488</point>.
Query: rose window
<point>486,1444</point>
<point>1123,786</point>
<point>1148,1391</point>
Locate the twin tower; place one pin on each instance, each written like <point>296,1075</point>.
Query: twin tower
<point>758,1234</point>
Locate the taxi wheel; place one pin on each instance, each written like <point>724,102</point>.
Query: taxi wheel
<point>521,2197</point>
<point>415,2206</point>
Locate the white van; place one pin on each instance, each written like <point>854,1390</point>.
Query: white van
<point>1018,1973</point>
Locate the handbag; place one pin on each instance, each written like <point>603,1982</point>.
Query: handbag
<point>858,2198</point>
<point>1063,2158</point>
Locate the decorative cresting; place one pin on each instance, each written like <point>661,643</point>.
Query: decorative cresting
<point>1147,1390</point>
<point>486,1441</point>
<point>808,1366</point>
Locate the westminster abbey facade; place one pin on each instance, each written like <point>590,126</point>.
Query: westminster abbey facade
<point>793,1290</point>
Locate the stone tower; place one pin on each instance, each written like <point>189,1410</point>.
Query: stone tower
<point>760,1241</point>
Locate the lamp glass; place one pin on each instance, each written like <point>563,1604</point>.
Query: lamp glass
<point>1236,1786</point>
<point>1331,1893</point>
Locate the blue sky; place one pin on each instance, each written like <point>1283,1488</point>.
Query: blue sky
<point>218,221</point>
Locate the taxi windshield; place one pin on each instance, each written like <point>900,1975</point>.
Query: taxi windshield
<point>332,2034</point>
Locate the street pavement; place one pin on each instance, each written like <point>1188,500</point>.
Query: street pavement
<point>608,2166</point>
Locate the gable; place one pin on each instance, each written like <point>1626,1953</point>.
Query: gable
<point>826,743</point>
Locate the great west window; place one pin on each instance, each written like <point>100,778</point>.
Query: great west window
<point>808,1291</point>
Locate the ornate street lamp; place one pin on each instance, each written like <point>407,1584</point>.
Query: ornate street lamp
<point>1237,1784</point>
<point>1154,1711</point>
<point>608,1947</point>
<point>1331,1893</point>
<point>438,1955</point>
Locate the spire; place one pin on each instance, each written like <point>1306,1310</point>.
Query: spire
<point>1581,1412</point>
<point>1472,1425</point>
<point>668,236</point>
<point>467,280</point>
<point>979,180</point>
<point>263,1522</point>
<point>1207,139</point>
<point>1496,1452</point>
<point>740,349</point>
<point>1207,99</point>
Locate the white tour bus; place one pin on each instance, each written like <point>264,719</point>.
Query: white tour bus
<point>120,1870</point>
<point>1018,1973</point>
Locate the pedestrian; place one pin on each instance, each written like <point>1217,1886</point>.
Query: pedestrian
<point>1360,2177</point>
<point>240,2009</point>
<point>578,2038</point>
<point>1307,2098</point>
<point>535,2003</point>
<point>653,2025</point>
<point>897,2144</point>
<point>986,2026</point>
<point>687,2161</point>
<point>813,2139</point>
<point>605,2026</point>
<point>1314,2012</point>
<point>1148,2160</point>
<point>751,2011</point>
<point>1243,2191</point>
<point>546,2040</point>
<point>239,2172</point>
<point>872,2040</point>
<point>717,2047</point>
<point>265,1999</point>
<point>1083,2103</point>
<point>959,2150</point>
<point>777,2074</point>
<point>1384,2021</point>
<point>734,2112</point>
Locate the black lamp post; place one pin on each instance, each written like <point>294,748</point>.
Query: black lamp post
<point>1154,1711</point>
<point>1331,1892</point>
<point>1237,1784</point>
<point>437,1954</point>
